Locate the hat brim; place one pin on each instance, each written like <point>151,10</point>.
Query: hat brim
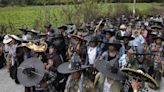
<point>110,32</point>
<point>24,30</point>
<point>6,41</point>
<point>36,78</point>
<point>64,68</point>
<point>116,45</point>
<point>155,38</point>
<point>63,27</point>
<point>15,37</point>
<point>130,38</point>
<point>102,66</point>
<point>143,76</point>
<point>43,34</point>
<point>156,27</point>
<point>33,31</point>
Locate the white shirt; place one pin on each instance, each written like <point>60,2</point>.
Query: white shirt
<point>92,54</point>
<point>139,40</point>
<point>106,87</point>
<point>122,61</point>
<point>123,33</point>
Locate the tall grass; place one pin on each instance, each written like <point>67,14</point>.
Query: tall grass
<point>36,16</point>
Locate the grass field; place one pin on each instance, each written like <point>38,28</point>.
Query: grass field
<point>29,15</point>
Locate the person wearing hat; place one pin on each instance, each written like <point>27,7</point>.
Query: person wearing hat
<point>47,28</point>
<point>138,40</point>
<point>125,45</point>
<point>109,77</point>
<point>93,52</point>
<point>121,32</point>
<point>58,40</point>
<point>136,80</point>
<point>26,36</point>
<point>77,81</point>
<point>78,44</point>
<point>109,35</point>
<point>13,42</point>
<point>112,51</point>
<point>157,46</point>
<point>33,33</point>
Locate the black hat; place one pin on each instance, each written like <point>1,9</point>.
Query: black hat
<point>74,65</point>
<point>109,70</point>
<point>126,35</point>
<point>113,43</point>
<point>24,29</point>
<point>158,37</point>
<point>95,39</point>
<point>64,27</point>
<point>110,31</point>
<point>156,27</point>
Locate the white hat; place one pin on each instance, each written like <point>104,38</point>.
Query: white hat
<point>34,31</point>
<point>15,37</point>
<point>122,26</point>
<point>7,39</point>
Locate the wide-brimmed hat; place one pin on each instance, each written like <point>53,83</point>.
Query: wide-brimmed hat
<point>36,47</point>
<point>30,72</point>
<point>156,27</point>
<point>123,26</point>
<point>63,27</point>
<point>7,39</point>
<point>126,35</point>
<point>15,37</point>
<point>114,44</point>
<point>154,33</point>
<point>94,39</point>
<point>71,28</point>
<point>24,29</point>
<point>55,33</point>
<point>73,66</point>
<point>158,37</point>
<point>108,69</point>
<point>42,34</point>
<point>141,75</point>
<point>110,31</point>
<point>34,31</point>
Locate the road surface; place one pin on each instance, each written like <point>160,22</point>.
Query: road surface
<point>8,85</point>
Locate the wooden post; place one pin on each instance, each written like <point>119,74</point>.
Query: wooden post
<point>134,8</point>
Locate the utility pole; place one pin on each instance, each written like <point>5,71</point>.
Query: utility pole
<point>134,7</point>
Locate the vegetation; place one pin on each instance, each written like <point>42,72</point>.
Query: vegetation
<point>59,2</point>
<point>14,17</point>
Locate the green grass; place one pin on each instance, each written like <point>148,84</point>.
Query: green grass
<point>28,15</point>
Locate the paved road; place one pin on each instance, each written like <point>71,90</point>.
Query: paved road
<point>8,85</point>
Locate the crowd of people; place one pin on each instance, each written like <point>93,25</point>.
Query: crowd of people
<point>122,54</point>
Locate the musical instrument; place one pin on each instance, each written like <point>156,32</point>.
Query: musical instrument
<point>97,27</point>
<point>37,46</point>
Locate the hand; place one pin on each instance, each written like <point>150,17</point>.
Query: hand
<point>135,84</point>
<point>44,85</point>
